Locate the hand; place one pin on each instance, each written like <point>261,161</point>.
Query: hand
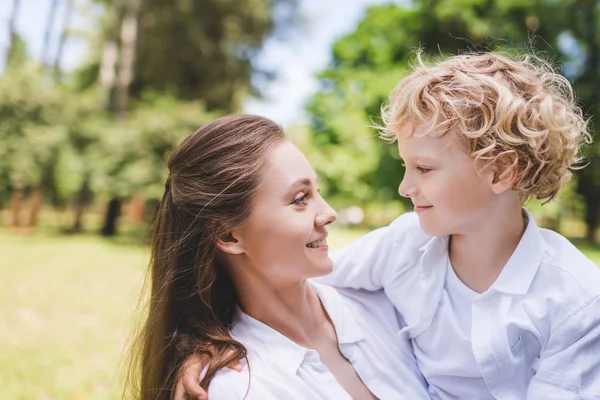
<point>188,382</point>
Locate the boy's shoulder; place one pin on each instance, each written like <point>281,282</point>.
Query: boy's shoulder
<point>565,267</point>
<point>406,230</point>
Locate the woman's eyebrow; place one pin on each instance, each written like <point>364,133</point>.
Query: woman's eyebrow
<point>298,183</point>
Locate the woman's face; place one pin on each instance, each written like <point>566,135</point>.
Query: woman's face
<point>285,237</point>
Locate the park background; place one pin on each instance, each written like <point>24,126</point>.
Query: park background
<point>94,93</point>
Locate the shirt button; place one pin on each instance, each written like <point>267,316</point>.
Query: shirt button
<point>312,356</point>
<point>320,367</point>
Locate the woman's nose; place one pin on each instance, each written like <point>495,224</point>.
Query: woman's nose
<point>327,215</point>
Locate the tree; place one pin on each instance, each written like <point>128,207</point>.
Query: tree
<point>583,28</point>
<point>13,38</point>
<point>32,132</point>
<point>48,31</point>
<point>119,91</point>
<point>205,49</point>
<point>63,38</point>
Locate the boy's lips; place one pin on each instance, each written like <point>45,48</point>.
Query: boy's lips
<point>419,209</point>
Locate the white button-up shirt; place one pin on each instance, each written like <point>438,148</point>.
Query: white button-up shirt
<point>366,325</point>
<point>446,345</point>
<point>535,333</point>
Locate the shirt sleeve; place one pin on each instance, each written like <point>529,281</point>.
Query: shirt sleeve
<point>569,367</point>
<point>372,259</point>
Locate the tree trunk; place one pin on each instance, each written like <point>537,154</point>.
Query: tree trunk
<point>137,207</point>
<point>62,39</point>
<point>129,31</point>
<point>110,55</point>
<point>113,212</point>
<point>48,31</point>
<point>16,201</point>
<point>118,103</point>
<point>11,30</point>
<point>36,198</point>
<point>592,220</point>
<point>83,197</point>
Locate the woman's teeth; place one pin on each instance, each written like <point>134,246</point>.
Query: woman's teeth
<point>318,243</point>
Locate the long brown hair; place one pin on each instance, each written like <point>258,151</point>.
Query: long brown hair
<point>213,175</point>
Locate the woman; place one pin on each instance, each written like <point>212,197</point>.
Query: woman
<point>241,227</point>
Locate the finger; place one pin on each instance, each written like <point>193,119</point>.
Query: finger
<point>191,379</point>
<point>179,391</point>
<point>236,366</point>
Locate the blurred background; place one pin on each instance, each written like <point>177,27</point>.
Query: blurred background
<point>94,93</point>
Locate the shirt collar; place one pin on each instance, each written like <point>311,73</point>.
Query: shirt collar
<point>278,348</point>
<point>267,343</point>
<point>518,273</point>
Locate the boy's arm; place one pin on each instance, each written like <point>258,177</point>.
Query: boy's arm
<point>569,367</point>
<point>370,261</point>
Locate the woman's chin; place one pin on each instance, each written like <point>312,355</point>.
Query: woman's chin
<point>324,268</point>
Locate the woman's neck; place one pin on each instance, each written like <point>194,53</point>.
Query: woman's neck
<point>291,308</point>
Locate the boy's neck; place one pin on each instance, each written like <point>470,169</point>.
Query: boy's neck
<point>479,256</point>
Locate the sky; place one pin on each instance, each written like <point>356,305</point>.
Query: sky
<point>296,61</point>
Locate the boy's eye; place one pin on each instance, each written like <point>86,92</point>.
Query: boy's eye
<point>423,170</point>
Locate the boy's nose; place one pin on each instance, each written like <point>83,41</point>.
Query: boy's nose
<point>406,189</point>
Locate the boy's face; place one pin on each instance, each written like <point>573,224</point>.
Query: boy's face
<point>449,195</point>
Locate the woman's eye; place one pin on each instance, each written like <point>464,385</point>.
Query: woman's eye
<point>300,200</point>
<point>423,170</point>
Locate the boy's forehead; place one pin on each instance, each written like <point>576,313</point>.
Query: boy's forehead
<point>422,128</point>
<point>423,144</point>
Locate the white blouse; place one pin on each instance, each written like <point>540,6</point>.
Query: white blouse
<point>367,327</point>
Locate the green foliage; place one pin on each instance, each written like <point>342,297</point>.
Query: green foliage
<point>63,137</point>
<point>31,126</point>
<point>131,155</point>
<point>202,49</point>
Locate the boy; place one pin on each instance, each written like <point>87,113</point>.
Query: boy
<point>495,307</point>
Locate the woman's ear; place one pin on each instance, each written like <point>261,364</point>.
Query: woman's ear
<point>229,244</point>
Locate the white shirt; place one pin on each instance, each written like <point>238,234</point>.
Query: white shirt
<point>535,332</point>
<point>444,350</point>
<point>366,325</point>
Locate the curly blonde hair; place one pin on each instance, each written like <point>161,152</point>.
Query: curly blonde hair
<point>516,112</point>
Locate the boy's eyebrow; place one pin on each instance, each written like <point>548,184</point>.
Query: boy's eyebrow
<point>419,158</point>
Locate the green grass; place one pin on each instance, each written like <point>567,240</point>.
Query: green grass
<point>66,308</point>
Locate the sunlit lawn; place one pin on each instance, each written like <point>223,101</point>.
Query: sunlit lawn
<point>66,306</point>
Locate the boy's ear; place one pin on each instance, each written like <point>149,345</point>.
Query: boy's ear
<point>505,174</point>
<point>229,244</point>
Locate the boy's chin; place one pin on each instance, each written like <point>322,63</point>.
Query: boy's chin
<point>433,229</point>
